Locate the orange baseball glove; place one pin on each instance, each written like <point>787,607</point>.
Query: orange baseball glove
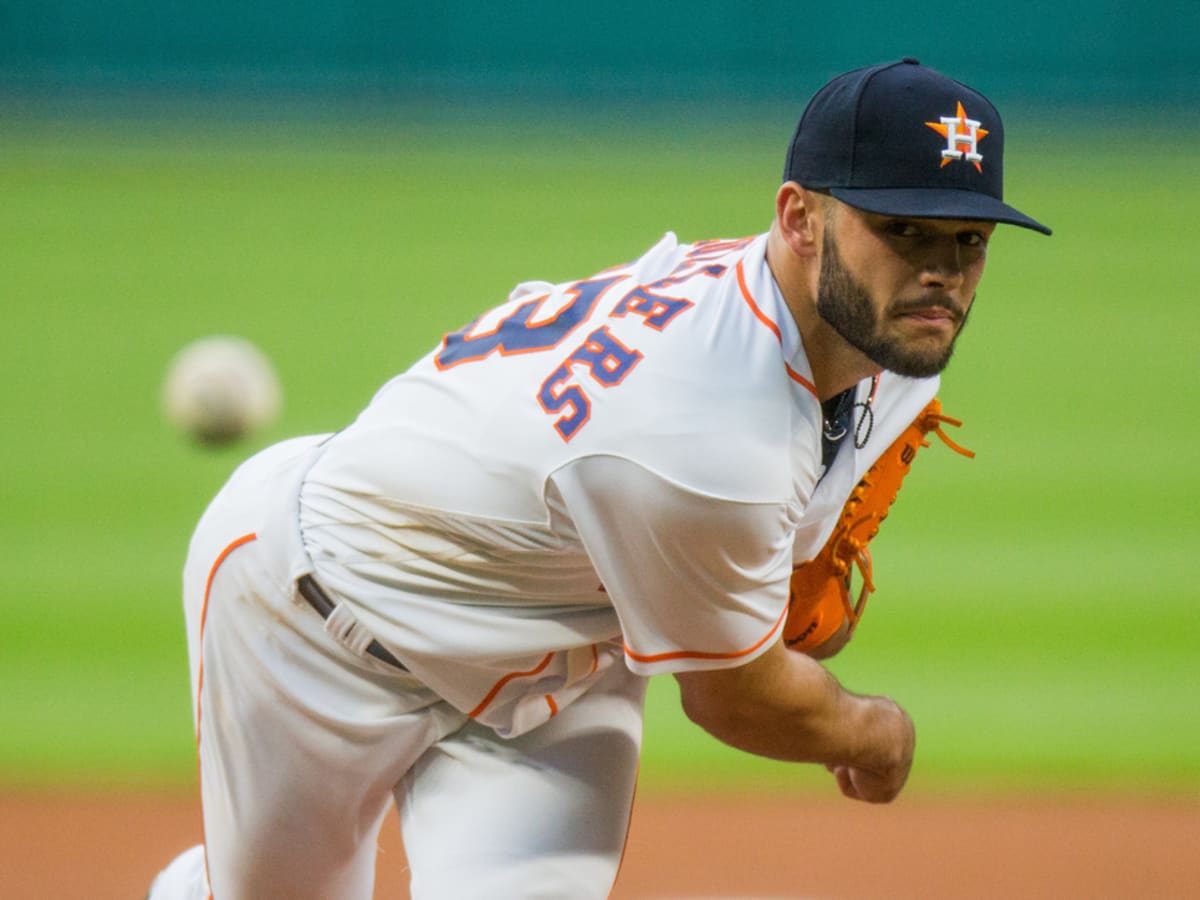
<point>821,617</point>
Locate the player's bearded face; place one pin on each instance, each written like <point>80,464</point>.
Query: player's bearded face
<point>846,305</point>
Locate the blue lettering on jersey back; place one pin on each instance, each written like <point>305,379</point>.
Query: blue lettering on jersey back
<point>605,358</point>
<point>608,361</point>
<point>515,334</point>
<point>657,310</point>
<point>557,395</point>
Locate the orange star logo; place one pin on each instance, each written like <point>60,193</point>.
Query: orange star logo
<point>962,136</point>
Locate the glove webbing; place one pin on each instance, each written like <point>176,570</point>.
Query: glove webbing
<point>850,547</point>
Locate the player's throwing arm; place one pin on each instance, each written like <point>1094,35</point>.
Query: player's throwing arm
<point>786,706</point>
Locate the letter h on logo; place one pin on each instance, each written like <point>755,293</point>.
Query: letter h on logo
<point>956,138</point>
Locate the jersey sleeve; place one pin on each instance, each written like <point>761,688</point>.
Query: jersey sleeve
<point>697,582</point>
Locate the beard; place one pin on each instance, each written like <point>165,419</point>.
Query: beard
<point>845,305</point>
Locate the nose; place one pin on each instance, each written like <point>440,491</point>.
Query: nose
<point>941,267</point>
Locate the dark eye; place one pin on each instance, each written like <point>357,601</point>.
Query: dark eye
<point>901,228</point>
<point>972,238</point>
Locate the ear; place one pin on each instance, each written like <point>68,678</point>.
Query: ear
<point>799,217</point>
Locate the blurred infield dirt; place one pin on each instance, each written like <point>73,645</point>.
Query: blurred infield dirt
<point>108,846</point>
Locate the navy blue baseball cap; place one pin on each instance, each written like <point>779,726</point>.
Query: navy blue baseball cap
<point>901,139</point>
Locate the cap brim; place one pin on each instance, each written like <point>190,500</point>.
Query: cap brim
<point>935,203</point>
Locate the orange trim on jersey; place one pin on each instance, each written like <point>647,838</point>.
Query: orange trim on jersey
<point>244,539</point>
<point>499,685</point>
<point>802,381</point>
<point>762,317</point>
<point>553,706</point>
<point>702,654</point>
<point>754,307</point>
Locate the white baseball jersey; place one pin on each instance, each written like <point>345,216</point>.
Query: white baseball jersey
<point>618,470</point>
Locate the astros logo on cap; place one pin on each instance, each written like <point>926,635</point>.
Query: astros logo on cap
<point>962,138</point>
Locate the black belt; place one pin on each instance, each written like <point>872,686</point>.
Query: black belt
<point>319,600</point>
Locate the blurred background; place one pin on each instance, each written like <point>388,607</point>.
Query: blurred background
<point>343,183</point>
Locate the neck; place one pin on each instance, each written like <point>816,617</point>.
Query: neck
<point>835,364</point>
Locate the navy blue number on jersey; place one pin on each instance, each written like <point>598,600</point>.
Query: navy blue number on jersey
<point>601,360</point>
<point>517,333</point>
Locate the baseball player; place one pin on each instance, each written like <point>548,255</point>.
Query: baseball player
<point>454,603</point>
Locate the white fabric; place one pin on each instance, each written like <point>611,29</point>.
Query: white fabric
<point>305,744</point>
<point>495,555</point>
<point>596,482</point>
<point>183,879</point>
<point>695,581</point>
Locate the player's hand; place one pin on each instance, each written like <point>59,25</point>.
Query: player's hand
<point>786,705</point>
<point>881,775</point>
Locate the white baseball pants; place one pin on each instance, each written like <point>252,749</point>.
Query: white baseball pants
<point>305,741</point>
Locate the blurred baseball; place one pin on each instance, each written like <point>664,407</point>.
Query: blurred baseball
<point>221,388</point>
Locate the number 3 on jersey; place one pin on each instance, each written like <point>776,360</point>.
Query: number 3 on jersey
<point>516,332</point>
<point>606,360</point>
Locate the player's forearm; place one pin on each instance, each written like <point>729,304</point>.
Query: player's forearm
<point>787,706</point>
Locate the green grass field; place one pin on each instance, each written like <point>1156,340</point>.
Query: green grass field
<point>1037,610</point>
